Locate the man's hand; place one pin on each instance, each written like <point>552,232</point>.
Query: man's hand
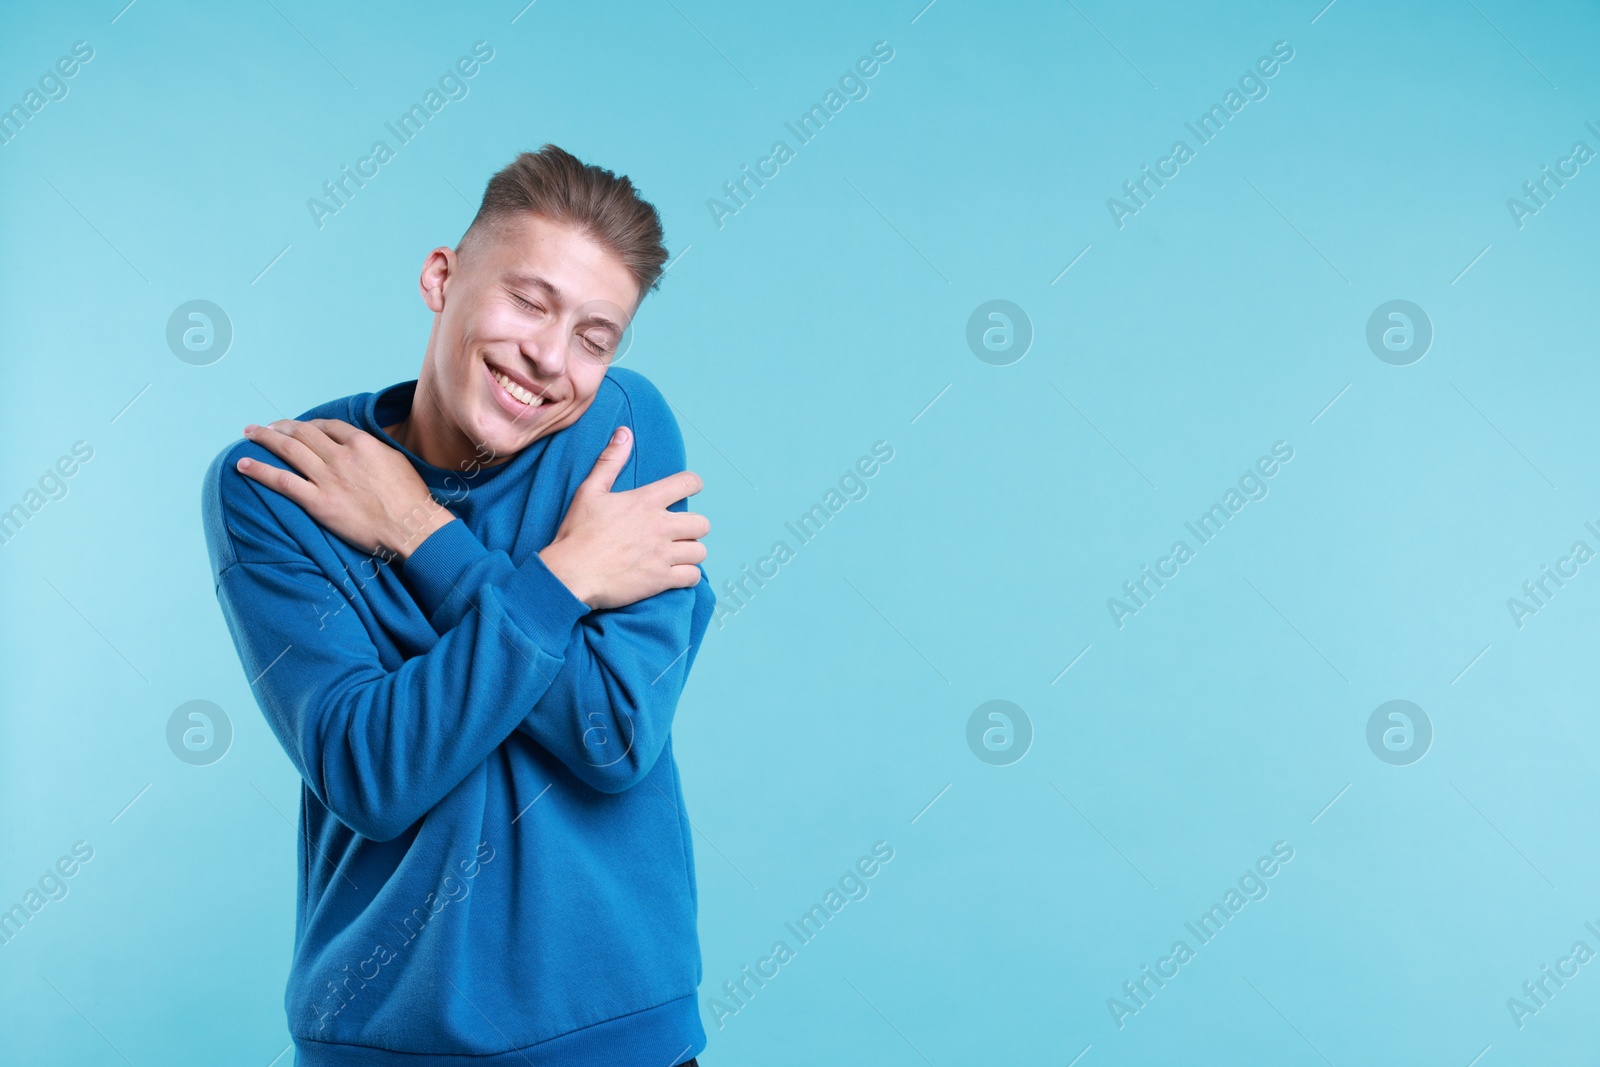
<point>350,482</point>
<point>615,549</point>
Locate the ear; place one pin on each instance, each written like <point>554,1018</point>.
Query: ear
<point>437,269</point>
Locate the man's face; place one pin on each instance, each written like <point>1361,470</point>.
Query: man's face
<point>527,321</point>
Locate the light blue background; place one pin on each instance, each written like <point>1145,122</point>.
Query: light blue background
<point>821,318</point>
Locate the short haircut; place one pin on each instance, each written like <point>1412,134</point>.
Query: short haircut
<point>556,185</point>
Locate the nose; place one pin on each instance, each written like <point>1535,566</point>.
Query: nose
<point>545,348</point>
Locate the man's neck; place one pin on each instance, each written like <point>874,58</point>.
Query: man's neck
<point>433,439</point>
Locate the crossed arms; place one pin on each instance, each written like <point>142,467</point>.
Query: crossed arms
<point>610,607</point>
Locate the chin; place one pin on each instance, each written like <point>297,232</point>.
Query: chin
<point>495,436</point>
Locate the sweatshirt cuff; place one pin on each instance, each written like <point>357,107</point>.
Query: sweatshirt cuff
<point>542,606</point>
<point>435,569</point>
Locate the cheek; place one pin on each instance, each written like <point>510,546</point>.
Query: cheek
<point>485,326</point>
<point>496,321</point>
<point>586,377</point>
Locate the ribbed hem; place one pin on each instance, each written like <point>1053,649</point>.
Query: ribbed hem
<point>667,1034</point>
<point>535,599</point>
<point>542,605</point>
<point>435,568</point>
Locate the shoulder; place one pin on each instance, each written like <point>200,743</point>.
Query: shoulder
<point>637,392</point>
<point>628,398</point>
<point>243,520</point>
<point>641,406</point>
<point>238,522</point>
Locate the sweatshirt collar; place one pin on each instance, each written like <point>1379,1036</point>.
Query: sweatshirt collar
<point>392,404</point>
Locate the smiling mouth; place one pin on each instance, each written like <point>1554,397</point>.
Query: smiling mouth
<point>516,390</point>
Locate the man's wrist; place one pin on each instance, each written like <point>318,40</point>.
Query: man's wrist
<point>410,532</point>
<point>555,559</point>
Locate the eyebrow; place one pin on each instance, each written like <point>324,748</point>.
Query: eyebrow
<point>600,320</point>
<point>532,281</point>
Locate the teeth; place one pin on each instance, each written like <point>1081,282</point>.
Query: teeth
<point>517,391</point>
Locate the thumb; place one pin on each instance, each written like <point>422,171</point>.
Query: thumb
<point>609,465</point>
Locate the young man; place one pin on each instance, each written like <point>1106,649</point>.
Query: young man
<point>471,645</point>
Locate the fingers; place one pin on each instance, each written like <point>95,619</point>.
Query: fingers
<point>299,444</point>
<point>687,525</point>
<point>308,434</point>
<point>609,465</point>
<point>685,576</point>
<point>672,488</point>
<point>277,479</point>
<point>680,553</point>
<point>338,430</point>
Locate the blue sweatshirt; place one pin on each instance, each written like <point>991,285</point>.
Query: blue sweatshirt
<point>495,863</point>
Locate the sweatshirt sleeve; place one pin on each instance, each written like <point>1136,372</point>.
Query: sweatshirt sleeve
<point>380,745</point>
<point>607,713</point>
